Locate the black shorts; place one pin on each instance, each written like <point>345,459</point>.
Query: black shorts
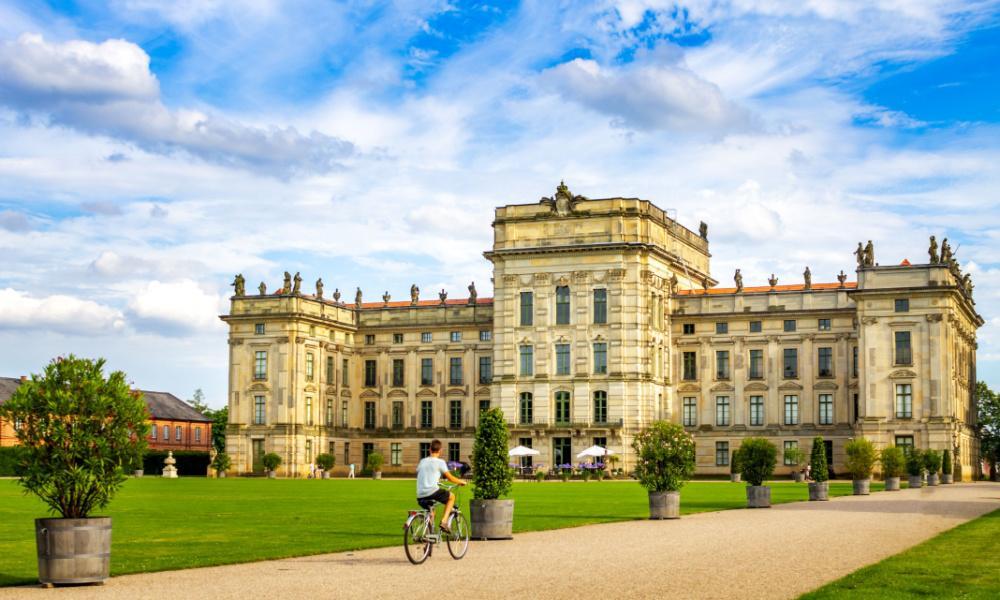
<point>442,496</point>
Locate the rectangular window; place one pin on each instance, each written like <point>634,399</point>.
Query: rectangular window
<point>484,405</point>
<point>904,401</point>
<point>757,410</point>
<point>371,374</point>
<point>369,339</point>
<point>397,414</point>
<point>485,335</point>
<point>825,362</point>
<point>791,363</point>
<point>426,337</point>
<point>721,454</point>
<point>177,433</point>
<point>901,305</point>
<point>824,324</point>
<point>527,360</point>
<point>791,410</point>
<point>454,451</point>
<point>258,328</point>
<point>426,371</point>
<point>722,411</point>
<point>260,364</point>
<point>166,433</point>
<point>562,408</point>
<point>425,450</point>
<point>690,412</point>
<point>905,442</point>
<point>562,305</point>
<point>455,414</point>
<point>396,454</point>
<point>329,413</point>
<point>562,359</point>
<point>600,406</point>
<point>366,449</point>
<point>369,415</point>
<point>527,308</point>
<point>309,451</point>
<point>561,454</point>
<point>690,366</point>
<point>397,338</point>
<point>426,414</point>
<point>756,364</point>
<point>345,370</point>
<point>154,429</point>
<point>485,369</point>
<point>721,328</point>
<point>258,410</point>
<point>398,370</point>
<point>525,460</point>
<point>329,370</point>
<point>310,366</point>
<point>722,364</point>
<point>688,328</point>
<point>600,306</point>
<point>526,408</point>
<point>854,361</point>
<point>789,325</point>
<point>455,370</point>
<point>786,456</point>
<point>826,409</point>
<point>600,358</point>
<point>456,336</point>
<point>309,410</point>
<point>904,355</point>
<point>755,327</point>
<point>343,413</point>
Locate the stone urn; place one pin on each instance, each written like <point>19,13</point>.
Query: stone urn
<point>758,496</point>
<point>272,474</point>
<point>947,478</point>
<point>137,473</point>
<point>862,487</point>
<point>492,519</point>
<point>664,505</point>
<point>170,471</point>
<point>819,490</point>
<point>73,551</point>
<point>932,479</point>
<point>377,475</point>
<point>892,484</point>
<point>916,481</point>
<point>220,474</point>
<point>798,476</point>
<point>735,477</point>
<point>326,474</point>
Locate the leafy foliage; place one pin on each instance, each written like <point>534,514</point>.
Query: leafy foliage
<point>375,462</point>
<point>818,468</point>
<point>914,462</point>
<point>932,461</point>
<point>79,430</point>
<point>271,461</point>
<point>222,462</point>
<point>794,455</point>
<point>861,458</point>
<point>664,457</point>
<point>491,476</point>
<point>988,402</point>
<point>893,460</point>
<point>326,461</point>
<point>220,418</point>
<point>757,457</point>
<point>946,462</point>
<point>11,460</point>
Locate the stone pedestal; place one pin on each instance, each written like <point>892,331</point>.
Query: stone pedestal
<point>170,471</point>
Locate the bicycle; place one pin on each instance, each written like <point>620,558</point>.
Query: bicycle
<point>420,535</point>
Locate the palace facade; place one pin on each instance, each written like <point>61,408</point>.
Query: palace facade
<point>604,318</point>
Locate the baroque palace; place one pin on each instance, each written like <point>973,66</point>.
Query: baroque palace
<point>605,317</point>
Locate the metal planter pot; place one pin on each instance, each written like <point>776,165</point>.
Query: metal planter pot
<point>73,551</point>
<point>932,480</point>
<point>220,474</point>
<point>492,519</point>
<point>326,474</point>
<point>377,475</point>
<point>664,505</point>
<point>862,487</point>
<point>819,490</point>
<point>947,478</point>
<point>798,476</point>
<point>916,481</point>
<point>892,484</point>
<point>758,496</point>
<point>735,477</point>
<point>137,473</point>
<point>272,474</point>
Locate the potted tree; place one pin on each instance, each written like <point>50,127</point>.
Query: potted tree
<point>221,464</point>
<point>491,515</point>
<point>932,462</point>
<point>915,467</point>
<point>375,460</point>
<point>757,458</point>
<point>893,460</point>
<point>271,462</point>
<point>794,457</point>
<point>861,459</point>
<point>664,462</point>
<point>734,468</point>
<point>946,467</point>
<point>325,462</point>
<point>79,431</point>
<point>819,487</point>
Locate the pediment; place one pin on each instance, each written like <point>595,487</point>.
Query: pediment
<point>369,394</point>
<point>689,387</point>
<point>426,393</point>
<point>483,391</point>
<point>345,393</point>
<point>755,387</point>
<point>259,387</point>
<point>826,385</point>
<point>723,386</point>
<point>309,389</point>
<point>902,374</point>
<point>455,392</point>
<point>397,394</point>
<point>790,385</point>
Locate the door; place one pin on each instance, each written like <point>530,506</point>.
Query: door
<point>561,452</point>
<point>828,446</point>
<point>258,456</point>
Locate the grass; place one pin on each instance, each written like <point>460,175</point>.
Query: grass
<point>162,524</point>
<point>959,563</point>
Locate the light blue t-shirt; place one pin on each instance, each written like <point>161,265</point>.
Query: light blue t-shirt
<point>429,472</point>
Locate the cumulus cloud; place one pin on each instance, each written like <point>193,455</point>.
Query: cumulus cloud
<point>175,308</point>
<point>58,313</point>
<point>108,89</point>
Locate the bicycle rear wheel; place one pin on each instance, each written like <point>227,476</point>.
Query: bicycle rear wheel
<point>415,541</point>
<point>458,540</point>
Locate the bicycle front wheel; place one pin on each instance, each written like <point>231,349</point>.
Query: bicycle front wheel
<point>458,540</point>
<point>415,541</point>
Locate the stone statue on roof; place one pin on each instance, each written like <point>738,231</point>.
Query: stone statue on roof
<point>945,252</point>
<point>336,295</point>
<point>859,254</point>
<point>385,298</point>
<point>869,254</point>
<point>357,298</point>
<point>414,294</point>
<point>297,287</point>
<point>932,251</point>
<point>703,230</point>
<point>287,286</point>
<point>262,288</point>
<point>472,293</point>
<point>773,281</point>
<point>443,295</point>
<point>239,285</point>
<point>842,278</point>
<point>738,278</point>
<point>807,277</point>
<point>319,288</point>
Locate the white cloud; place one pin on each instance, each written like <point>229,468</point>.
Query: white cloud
<point>57,313</point>
<point>176,307</point>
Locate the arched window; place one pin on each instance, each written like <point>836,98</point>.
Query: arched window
<point>600,407</point>
<point>527,408</point>
<point>562,408</point>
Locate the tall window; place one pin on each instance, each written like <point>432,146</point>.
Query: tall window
<point>722,411</point>
<point>525,460</point>
<point>786,458</point>
<point>310,366</point>
<point>260,364</point>
<point>904,401</point>
<point>329,370</point>
<point>425,450</point>
<point>455,414</point>
<point>343,413</point>
<point>258,410</point>
<point>397,372</point>
<point>562,305</point>
<point>526,408</point>
<point>562,359</point>
<point>454,451</point>
<point>345,370</point>
<point>527,360</point>
<point>756,364</point>
<point>790,325</point>
<point>826,409</point>
<point>396,454</point>
<point>600,406</point>
<point>309,451</point>
<point>309,410</point>
<point>561,454</point>
<point>690,366</point>
<point>562,407</point>
<point>485,369</point>
<point>154,429</point>
<point>369,339</point>
<point>721,454</point>
<point>166,433</point>
<point>455,370</point>
<point>177,433</point>
<point>369,415</point>
<point>757,410</point>
<point>370,373</point>
<point>722,364</point>
<point>426,371</point>
<point>600,358</point>
<point>721,328</point>
<point>791,410</point>
<point>905,442</point>
<point>791,363</point>
<point>329,412</point>
<point>825,362</point>
<point>824,324</point>
<point>904,354</point>
<point>527,308</point>
<point>854,361</point>
<point>426,414</point>
<point>600,306</point>
<point>484,405</point>
<point>690,412</point>
<point>397,414</point>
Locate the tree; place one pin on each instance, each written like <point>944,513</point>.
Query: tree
<point>818,468</point>
<point>197,402</point>
<point>988,402</point>
<point>861,458</point>
<point>757,458</point>
<point>220,420</point>
<point>491,475</point>
<point>664,457</point>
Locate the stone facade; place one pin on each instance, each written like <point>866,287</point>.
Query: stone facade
<point>605,317</point>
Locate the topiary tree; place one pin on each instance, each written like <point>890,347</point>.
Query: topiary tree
<point>757,458</point>
<point>664,457</point>
<point>946,462</point>
<point>492,478</point>
<point>79,430</point>
<point>914,462</point>
<point>861,458</point>
<point>375,462</point>
<point>221,462</point>
<point>734,463</point>
<point>271,461</point>
<point>325,461</point>
<point>817,461</point>
<point>893,460</point>
<point>932,461</point>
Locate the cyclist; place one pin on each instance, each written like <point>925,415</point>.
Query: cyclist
<point>429,472</point>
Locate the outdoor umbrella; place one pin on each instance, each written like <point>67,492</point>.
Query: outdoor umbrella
<point>523,451</point>
<point>594,451</point>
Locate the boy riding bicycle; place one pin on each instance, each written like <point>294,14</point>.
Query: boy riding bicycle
<point>429,472</point>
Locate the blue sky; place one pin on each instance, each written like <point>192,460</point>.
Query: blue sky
<point>150,150</point>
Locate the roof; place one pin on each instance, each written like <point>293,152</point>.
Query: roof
<point>425,303</point>
<point>161,405</point>
<point>763,289</point>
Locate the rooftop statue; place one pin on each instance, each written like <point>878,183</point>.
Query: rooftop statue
<point>386,297</point>
<point>298,284</point>
<point>239,285</point>
<point>773,281</point>
<point>262,288</point>
<point>472,293</point>
<point>807,276</point>
<point>336,295</point>
<point>443,295</point>
<point>414,294</point>
<point>842,278</point>
<point>319,288</point>
<point>357,299</point>
<point>703,230</point>
<point>738,278</point>
<point>869,254</point>
<point>287,286</point>
<point>859,254</point>
<point>933,251</point>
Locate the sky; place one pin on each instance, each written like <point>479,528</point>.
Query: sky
<point>150,150</point>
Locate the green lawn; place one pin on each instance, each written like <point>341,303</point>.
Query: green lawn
<point>162,524</point>
<point>959,563</point>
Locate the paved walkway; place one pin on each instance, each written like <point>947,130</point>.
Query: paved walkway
<point>776,553</point>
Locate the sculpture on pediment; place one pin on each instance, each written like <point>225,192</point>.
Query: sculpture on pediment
<point>443,295</point>
<point>239,285</point>
<point>703,230</point>
<point>385,298</point>
<point>842,278</point>
<point>357,298</point>
<point>262,288</point>
<point>297,286</point>
<point>319,288</point>
<point>946,256</point>
<point>932,250</point>
<point>287,285</point>
<point>869,254</point>
<point>336,295</point>
<point>738,278</point>
<point>563,202</point>
<point>807,277</point>
<point>859,254</point>
<point>414,294</point>
<point>472,293</point>
<point>773,281</point>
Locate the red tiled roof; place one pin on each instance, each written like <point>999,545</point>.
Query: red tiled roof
<point>798,287</point>
<point>905,263</point>
<point>424,303</point>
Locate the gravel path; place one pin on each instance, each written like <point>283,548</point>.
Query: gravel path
<point>776,553</point>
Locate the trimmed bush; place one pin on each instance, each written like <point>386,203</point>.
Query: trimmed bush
<point>271,461</point>
<point>946,462</point>
<point>540,475</point>
<point>932,461</point>
<point>375,462</point>
<point>734,463</point>
<point>861,458</point>
<point>893,461</point>
<point>757,458</point>
<point>915,462</point>
<point>492,478</point>
<point>664,457</point>
<point>222,462</point>
<point>190,463</point>
<point>795,456</point>
<point>325,461</point>
<point>818,468</point>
